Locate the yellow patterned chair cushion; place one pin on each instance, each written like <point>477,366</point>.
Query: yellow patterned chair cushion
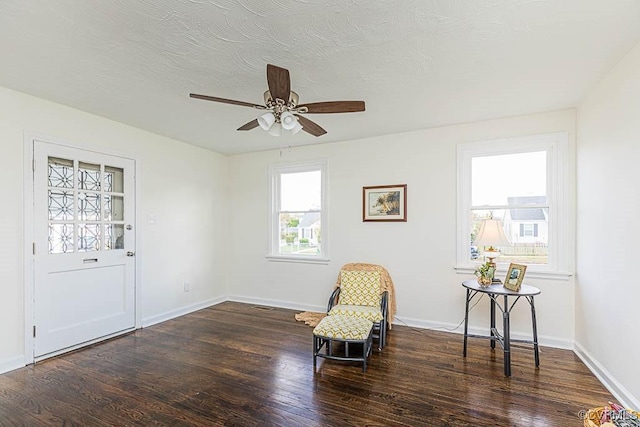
<point>365,311</point>
<point>360,288</point>
<point>344,328</point>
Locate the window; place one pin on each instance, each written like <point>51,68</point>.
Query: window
<point>521,182</point>
<point>298,225</point>
<point>528,230</point>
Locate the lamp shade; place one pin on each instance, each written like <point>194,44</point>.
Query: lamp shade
<point>288,120</point>
<point>297,128</point>
<point>491,234</point>
<point>275,130</point>
<point>266,120</point>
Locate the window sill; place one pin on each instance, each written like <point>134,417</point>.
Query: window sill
<point>297,259</point>
<point>531,273</point>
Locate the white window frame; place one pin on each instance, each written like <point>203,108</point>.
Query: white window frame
<point>556,146</point>
<point>275,172</point>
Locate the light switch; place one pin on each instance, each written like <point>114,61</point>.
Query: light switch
<point>151,218</point>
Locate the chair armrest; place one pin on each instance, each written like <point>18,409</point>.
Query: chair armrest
<point>333,299</point>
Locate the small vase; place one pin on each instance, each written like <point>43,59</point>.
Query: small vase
<point>484,281</point>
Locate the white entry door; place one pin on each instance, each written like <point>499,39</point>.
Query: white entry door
<point>84,245</point>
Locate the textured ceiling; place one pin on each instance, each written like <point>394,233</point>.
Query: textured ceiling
<point>416,63</point>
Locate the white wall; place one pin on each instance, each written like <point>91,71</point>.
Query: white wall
<point>186,187</point>
<point>608,229</point>
<point>420,254</point>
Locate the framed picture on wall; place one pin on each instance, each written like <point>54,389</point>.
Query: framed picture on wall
<point>384,203</point>
<point>514,278</point>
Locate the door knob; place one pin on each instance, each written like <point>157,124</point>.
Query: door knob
<point>129,253</point>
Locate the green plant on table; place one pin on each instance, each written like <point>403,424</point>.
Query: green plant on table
<point>485,270</point>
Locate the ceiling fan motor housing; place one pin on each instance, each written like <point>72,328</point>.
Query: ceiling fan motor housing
<point>293,99</point>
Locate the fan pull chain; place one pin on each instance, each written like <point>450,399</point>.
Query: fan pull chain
<point>282,151</point>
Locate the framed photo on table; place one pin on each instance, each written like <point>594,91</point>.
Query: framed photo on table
<point>384,203</point>
<point>514,278</point>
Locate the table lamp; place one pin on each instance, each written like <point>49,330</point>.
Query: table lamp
<point>491,234</point>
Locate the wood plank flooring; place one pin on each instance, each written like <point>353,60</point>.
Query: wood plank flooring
<point>237,365</point>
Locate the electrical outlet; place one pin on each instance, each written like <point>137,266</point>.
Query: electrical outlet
<point>187,286</point>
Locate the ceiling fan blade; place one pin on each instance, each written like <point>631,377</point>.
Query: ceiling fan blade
<point>334,107</point>
<point>226,101</point>
<point>279,82</point>
<point>310,127</point>
<point>248,126</point>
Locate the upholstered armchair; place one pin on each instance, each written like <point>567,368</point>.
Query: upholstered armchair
<point>365,290</point>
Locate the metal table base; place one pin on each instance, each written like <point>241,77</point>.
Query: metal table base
<point>494,292</point>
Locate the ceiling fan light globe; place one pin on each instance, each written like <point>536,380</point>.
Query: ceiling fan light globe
<point>275,130</point>
<point>288,120</point>
<point>266,120</point>
<point>296,128</point>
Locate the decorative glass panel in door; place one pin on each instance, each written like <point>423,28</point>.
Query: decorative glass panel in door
<point>84,207</point>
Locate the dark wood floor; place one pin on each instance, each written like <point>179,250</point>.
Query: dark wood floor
<point>234,364</point>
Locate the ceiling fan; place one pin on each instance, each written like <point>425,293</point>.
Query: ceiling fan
<point>282,108</point>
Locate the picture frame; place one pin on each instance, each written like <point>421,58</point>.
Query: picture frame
<point>515,276</point>
<point>384,203</point>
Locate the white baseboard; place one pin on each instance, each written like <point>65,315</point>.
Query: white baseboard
<point>275,303</point>
<point>547,341</point>
<point>146,322</point>
<point>544,340</point>
<point>624,397</point>
<point>14,363</point>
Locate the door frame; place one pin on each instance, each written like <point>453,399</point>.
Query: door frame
<point>29,237</point>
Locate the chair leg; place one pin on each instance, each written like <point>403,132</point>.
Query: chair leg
<point>366,350</point>
<point>315,350</point>
<point>364,358</point>
<point>383,334</point>
<point>386,328</point>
